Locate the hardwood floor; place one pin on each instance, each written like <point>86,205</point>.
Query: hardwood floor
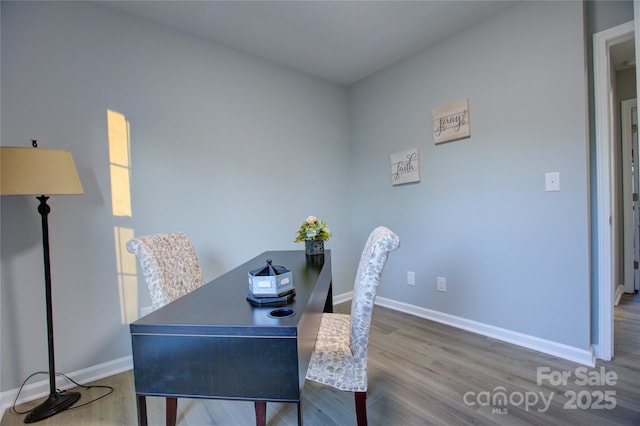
<point>422,373</point>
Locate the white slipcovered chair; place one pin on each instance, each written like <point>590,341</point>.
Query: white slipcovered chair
<point>339,357</point>
<point>171,269</point>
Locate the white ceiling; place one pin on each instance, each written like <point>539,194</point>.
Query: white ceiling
<point>340,41</point>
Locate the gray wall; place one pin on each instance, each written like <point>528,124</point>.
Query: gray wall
<point>626,84</point>
<point>216,136</point>
<point>514,255</point>
<point>232,150</point>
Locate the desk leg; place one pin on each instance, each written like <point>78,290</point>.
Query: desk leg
<point>141,402</point>
<point>328,304</point>
<point>261,413</point>
<point>172,411</point>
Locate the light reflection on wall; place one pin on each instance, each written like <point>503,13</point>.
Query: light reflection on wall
<point>127,276</point>
<point>118,128</point>
<point>120,172</point>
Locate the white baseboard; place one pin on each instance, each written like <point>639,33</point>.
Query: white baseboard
<point>39,389</point>
<point>341,298</point>
<point>618,295</point>
<point>570,353</point>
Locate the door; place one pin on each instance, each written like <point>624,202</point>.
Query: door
<point>629,113</point>
<point>636,180</point>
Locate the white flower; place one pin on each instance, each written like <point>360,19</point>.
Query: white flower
<point>313,229</point>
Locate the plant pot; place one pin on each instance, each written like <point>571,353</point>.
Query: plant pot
<point>314,247</point>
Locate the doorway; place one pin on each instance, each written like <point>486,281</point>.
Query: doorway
<point>607,210</point>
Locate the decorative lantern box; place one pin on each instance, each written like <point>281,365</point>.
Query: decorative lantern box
<point>270,281</point>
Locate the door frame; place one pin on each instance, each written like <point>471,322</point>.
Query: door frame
<point>605,167</point>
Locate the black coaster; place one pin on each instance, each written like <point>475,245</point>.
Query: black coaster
<point>272,301</point>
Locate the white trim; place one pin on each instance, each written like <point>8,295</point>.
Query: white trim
<point>571,353</point>
<point>602,41</point>
<point>39,389</point>
<point>618,294</point>
<point>342,297</point>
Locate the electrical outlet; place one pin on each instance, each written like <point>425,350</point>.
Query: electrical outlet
<point>411,278</point>
<point>442,284</point>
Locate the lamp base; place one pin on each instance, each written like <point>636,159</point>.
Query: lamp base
<point>56,403</point>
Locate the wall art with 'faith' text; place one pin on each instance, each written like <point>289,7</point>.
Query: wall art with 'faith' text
<point>405,167</point>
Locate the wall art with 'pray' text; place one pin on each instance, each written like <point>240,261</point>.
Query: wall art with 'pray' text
<point>451,121</point>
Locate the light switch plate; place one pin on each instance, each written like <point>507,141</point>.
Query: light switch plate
<point>552,181</point>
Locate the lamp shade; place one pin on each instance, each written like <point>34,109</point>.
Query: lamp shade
<point>37,171</point>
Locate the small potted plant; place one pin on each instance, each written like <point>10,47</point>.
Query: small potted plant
<point>314,233</point>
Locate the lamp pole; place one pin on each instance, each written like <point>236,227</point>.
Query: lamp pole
<point>57,401</point>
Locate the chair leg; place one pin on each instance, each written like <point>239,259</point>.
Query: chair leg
<point>361,408</point>
<point>172,411</point>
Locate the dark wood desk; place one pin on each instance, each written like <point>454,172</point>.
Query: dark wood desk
<point>212,343</point>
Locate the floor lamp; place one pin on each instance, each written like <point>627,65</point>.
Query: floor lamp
<point>35,171</point>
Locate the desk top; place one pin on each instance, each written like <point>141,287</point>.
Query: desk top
<point>220,307</point>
